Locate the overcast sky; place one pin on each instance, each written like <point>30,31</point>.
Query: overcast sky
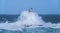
<point>40,6</point>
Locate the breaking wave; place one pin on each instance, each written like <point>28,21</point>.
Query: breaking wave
<point>27,20</point>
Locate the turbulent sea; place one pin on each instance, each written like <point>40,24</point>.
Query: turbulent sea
<point>47,18</point>
<point>29,22</point>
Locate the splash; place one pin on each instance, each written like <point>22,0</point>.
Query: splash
<point>30,18</point>
<point>27,19</point>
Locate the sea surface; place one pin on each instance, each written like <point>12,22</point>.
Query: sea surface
<point>47,18</point>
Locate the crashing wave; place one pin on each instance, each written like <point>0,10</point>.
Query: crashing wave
<point>27,20</point>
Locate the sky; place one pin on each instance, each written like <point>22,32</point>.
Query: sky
<point>40,6</point>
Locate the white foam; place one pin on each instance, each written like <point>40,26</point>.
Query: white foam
<point>30,19</point>
<point>26,18</point>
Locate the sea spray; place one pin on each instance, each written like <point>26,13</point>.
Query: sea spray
<point>27,19</point>
<point>31,18</point>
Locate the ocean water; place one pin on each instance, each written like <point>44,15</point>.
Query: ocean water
<point>8,24</point>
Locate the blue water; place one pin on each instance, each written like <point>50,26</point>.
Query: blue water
<point>33,30</point>
<point>46,18</point>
